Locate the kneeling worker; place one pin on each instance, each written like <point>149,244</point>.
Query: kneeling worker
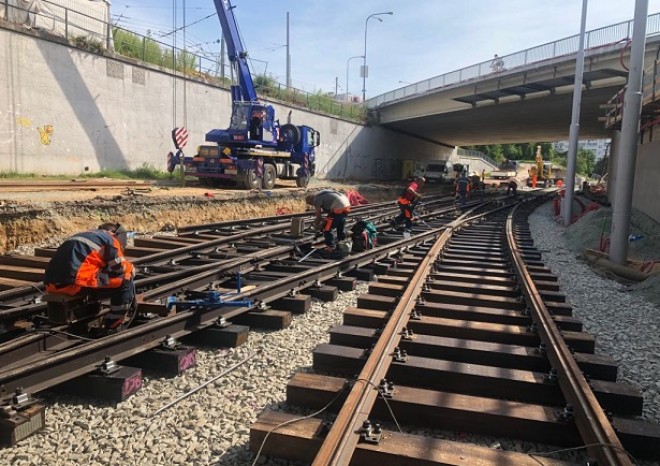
<point>336,206</point>
<point>92,262</point>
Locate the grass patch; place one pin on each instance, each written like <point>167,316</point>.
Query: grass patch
<point>14,175</point>
<point>146,172</point>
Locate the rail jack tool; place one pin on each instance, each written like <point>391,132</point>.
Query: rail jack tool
<point>208,299</point>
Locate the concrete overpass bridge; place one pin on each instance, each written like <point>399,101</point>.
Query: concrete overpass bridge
<point>528,97</point>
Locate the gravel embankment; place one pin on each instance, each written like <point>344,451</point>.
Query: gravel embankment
<point>212,426</point>
<point>626,326</point>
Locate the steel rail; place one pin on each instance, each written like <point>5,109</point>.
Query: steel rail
<point>342,438</point>
<point>88,356</point>
<point>279,218</point>
<point>28,293</point>
<point>31,343</point>
<point>596,430</point>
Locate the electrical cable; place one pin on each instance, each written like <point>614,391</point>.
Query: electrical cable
<point>330,403</point>
<point>54,333</point>
<point>582,447</point>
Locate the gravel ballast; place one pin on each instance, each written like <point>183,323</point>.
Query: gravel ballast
<point>212,426</point>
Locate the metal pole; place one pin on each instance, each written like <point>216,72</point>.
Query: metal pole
<point>198,388</point>
<point>364,68</point>
<point>629,139</point>
<point>567,210</point>
<point>288,54</point>
<point>364,62</point>
<point>348,63</point>
<point>348,98</point>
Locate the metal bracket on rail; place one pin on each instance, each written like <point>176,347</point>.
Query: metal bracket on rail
<point>415,315</point>
<point>551,377</point>
<point>407,334</point>
<point>399,355</point>
<point>108,366</point>
<point>170,343</point>
<point>567,415</point>
<point>386,388</point>
<point>324,428</point>
<point>221,322</point>
<point>367,351</point>
<point>541,350</point>
<point>371,433</point>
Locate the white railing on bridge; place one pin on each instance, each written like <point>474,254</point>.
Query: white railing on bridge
<point>608,35</point>
<point>476,154</point>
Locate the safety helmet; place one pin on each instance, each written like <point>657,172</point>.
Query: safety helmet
<point>119,231</point>
<point>421,179</point>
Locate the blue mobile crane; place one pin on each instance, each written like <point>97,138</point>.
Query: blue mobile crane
<point>255,150</point>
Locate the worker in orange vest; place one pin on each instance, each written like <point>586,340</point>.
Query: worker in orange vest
<point>92,262</point>
<point>407,201</point>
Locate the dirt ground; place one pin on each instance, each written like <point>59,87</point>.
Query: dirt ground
<point>45,217</point>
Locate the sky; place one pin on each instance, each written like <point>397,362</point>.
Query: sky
<point>420,40</point>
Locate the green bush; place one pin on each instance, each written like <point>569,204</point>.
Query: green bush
<point>145,172</point>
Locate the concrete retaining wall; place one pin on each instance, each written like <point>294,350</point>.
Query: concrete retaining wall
<point>67,111</point>
<point>647,165</point>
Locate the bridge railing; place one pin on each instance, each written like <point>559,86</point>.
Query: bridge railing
<point>595,38</point>
<point>475,154</point>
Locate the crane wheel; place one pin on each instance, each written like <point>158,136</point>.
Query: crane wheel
<point>251,180</point>
<point>270,175</point>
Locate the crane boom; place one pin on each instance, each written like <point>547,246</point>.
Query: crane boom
<point>255,149</point>
<point>236,51</point>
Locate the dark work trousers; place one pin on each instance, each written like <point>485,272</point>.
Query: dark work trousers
<point>122,297</point>
<point>462,196</point>
<point>334,221</point>
<point>406,215</point>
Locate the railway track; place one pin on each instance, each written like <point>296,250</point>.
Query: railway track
<point>36,354</point>
<point>70,185</point>
<point>468,333</point>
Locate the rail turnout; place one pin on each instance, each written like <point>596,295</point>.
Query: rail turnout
<point>463,328</point>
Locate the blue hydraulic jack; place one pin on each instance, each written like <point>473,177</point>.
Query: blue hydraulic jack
<point>210,299</point>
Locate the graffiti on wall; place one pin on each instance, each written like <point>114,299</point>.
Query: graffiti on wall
<point>45,134</point>
<point>23,122</point>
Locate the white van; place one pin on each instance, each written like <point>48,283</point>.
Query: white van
<point>435,171</point>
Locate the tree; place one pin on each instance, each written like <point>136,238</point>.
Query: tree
<point>601,166</point>
<point>586,161</point>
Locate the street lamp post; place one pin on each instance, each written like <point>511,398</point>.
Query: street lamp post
<point>364,68</point>
<point>347,65</point>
